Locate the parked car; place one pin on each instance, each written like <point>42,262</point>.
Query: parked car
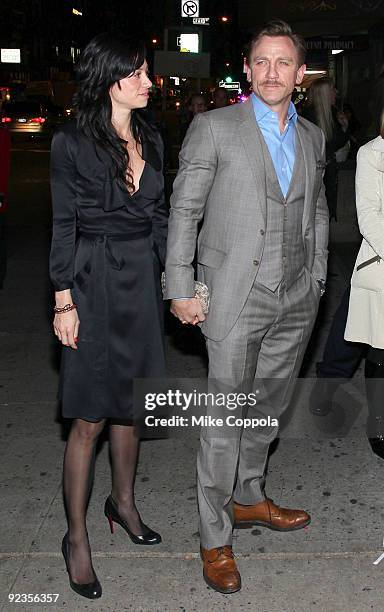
<point>31,118</point>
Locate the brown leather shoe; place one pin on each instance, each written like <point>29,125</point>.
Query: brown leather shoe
<point>267,514</point>
<point>220,571</point>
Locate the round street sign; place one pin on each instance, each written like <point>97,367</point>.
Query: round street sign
<point>189,8</point>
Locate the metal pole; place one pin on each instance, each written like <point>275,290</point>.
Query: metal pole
<point>165,79</point>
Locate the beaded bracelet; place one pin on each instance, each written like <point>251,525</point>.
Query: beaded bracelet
<point>66,308</point>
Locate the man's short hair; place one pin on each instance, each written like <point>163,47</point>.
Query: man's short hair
<point>278,27</point>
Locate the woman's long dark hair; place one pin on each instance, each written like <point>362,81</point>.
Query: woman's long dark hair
<point>104,62</point>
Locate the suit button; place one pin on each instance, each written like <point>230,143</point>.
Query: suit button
<point>256,262</point>
<point>262,232</point>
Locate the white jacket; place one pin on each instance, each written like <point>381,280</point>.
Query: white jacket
<point>366,307</point>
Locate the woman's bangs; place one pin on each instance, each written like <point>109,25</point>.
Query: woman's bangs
<point>128,62</point>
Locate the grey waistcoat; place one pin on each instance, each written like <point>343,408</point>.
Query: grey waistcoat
<point>283,255</point>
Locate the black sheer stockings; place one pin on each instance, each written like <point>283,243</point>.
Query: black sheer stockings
<point>79,461</point>
<point>124,447</point>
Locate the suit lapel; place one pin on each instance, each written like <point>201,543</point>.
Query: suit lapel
<point>310,168</point>
<point>252,140</point>
<point>251,137</point>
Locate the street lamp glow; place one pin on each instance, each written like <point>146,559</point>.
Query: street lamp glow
<point>154,41</point>
<point>224,19</point>
<point>76,12</point>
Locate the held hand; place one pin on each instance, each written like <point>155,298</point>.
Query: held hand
<point>66,328</point>
<point>187,311</point>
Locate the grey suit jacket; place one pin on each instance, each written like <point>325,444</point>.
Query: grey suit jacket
<point>222,178</point>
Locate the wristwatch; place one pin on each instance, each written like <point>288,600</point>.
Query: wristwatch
<point>321,284</point>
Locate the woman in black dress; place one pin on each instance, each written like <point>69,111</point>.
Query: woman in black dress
<point>108,245</point>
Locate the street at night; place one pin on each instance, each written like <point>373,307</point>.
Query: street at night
<point>327,566</point>
<point>191,305</point>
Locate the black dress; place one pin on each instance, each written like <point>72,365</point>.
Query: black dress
<point>108,248</point>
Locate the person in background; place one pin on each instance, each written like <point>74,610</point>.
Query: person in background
<point>376,104</point>
<point>5,161</point>
<point>108,246</point>
<point>354,129</point>
<point>220,97</point>
<point>322,111</point>
<point>339,363</point>
<point>195,105</point>
<point>366,304</point>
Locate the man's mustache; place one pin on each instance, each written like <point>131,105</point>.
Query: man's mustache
<point>272,82</point>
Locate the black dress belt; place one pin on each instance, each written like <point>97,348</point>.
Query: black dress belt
<point>102,253</point>
<point>146,230</point>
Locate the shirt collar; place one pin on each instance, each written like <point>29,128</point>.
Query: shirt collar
<point>262,110</point>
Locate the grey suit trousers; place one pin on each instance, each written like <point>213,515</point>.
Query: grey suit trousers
<point>267,342</point>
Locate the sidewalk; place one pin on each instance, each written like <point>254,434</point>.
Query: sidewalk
<point>327,567</point>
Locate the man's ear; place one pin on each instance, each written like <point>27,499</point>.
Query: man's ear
<point>300,74</point>
<point>248,72</point>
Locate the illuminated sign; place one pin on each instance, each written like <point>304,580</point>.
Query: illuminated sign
<point>189,43</point>
<point>10,56</point>
<point>233,85</point>
<point>200,21</point>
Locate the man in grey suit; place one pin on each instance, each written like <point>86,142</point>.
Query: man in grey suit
<point>253,171</point>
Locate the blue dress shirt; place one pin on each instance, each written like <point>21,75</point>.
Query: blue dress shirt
<point>281,146</point>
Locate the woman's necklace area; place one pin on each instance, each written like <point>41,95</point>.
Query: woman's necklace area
<point>131,145</point>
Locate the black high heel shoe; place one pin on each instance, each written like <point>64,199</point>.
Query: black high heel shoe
<point>91,590</point>
<point>148,537</point>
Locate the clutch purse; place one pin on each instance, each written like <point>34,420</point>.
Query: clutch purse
<point>201,293</point>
